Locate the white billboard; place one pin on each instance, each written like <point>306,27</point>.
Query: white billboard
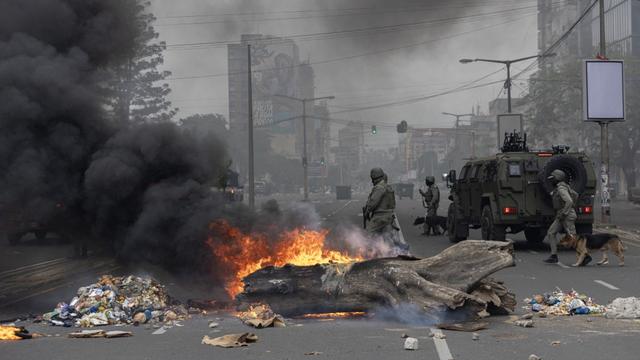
<point>603,90</point>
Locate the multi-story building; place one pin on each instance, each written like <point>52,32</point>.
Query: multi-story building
<point>622,28</point>
<point>278,75</point>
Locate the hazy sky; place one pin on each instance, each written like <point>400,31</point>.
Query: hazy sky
<point>365,52</point>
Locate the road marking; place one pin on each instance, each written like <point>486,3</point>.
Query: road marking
<point>563,265</point>
<point>33,266</point>
<point>441,345</point>
<point>160,331</point>
<point>606,284</point>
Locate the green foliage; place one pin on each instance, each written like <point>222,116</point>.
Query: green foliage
<point>554,115</point>
<point>135,89</point>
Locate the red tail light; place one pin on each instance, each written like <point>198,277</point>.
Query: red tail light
<point>545,154</point>
<point>586,210</point>
<point>509,210</point>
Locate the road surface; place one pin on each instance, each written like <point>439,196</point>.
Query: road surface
<point>37,286</point>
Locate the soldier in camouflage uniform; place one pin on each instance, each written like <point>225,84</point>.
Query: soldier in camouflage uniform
<point>379,211</point>
<point>564,198</point>
<point>431,200</point>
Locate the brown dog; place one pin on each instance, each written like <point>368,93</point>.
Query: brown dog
<point>602,242</point>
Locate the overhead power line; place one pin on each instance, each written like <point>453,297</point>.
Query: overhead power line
<point>342,10</point>
<point>350,32</point>
<point>369,53</point>
<point>559,41</point>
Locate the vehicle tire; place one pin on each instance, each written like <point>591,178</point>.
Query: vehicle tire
<point>535,235</point>
<point>582,229</point>
<point>575,170</point>
<point>451,225</point>
<point>491,231</point>
<point>14,238</point>
<point>41,234</point>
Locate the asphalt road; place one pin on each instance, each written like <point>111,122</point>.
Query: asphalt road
<point>579,337</point>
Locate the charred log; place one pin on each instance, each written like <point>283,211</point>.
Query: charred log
<point>456,279</point>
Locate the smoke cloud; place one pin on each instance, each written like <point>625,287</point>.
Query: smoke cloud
<point>145,189</point>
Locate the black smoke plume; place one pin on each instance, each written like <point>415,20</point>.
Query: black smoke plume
<point>145,189</point>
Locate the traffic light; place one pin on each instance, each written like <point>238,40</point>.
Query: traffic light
<point>374,130</point>
<point>322,161</point>
<point>402,127</point>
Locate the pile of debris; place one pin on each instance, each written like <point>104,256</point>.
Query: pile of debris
<point>117,300</point>
<point>560,303</point>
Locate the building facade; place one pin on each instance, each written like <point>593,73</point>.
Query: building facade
<point>278,75</point>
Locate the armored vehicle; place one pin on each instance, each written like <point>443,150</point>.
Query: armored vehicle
<point>509,192</point>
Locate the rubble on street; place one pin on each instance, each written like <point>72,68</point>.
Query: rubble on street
<point>231,340</point>
<point>117,300</point>
<point>624,308</point>
<point>560,303</point>
<point>261,316</point>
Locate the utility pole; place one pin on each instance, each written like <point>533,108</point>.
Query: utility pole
<point>304,136</point>
<point>305,163</point>
<point>252,185</point>
<point>605,208</point>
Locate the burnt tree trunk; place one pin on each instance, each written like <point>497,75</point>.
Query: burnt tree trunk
<point>455,279</point>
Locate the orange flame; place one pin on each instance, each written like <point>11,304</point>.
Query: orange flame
<point>9,333</point>
<point>333,315</point>
<point>242,254</point>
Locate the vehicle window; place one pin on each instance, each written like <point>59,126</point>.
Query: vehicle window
<point>514,169</point>
<point>475,172</point>
<point>463,173</point>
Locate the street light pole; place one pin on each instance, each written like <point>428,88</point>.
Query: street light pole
<point>305,162</point>
<point>507,63</point>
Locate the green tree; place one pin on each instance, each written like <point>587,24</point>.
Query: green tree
<point>137,93</point>
<point>554,116</point>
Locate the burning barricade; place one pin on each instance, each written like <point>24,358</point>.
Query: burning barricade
<point>14,333</point>
<point>117,300</point>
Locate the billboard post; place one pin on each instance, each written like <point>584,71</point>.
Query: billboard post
<point>603,101</point>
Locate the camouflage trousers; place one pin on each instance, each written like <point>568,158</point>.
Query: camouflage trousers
<point>568,224</point>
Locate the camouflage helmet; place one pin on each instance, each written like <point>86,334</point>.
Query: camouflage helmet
<point>429,180</point>
<point>557,175</point>
<point>376,173</point>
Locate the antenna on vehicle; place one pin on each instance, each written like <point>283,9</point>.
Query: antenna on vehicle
<point>514,142</point>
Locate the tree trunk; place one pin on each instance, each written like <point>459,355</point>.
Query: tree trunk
<point>455,279</point>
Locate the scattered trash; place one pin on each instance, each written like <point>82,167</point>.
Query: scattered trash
<point>213,324</point>
<point>475,337</point>
<point>524,323</point>
<point>411,343</point>
<point>534,357</point>
<point>555,343</point>
<point>439,336</point>
<point>261,316</point>
<point>117,300</point>
<point>100,334</point>
<point>231,340</point>
<point>14,333</point>
<point>624,308</point>
<point>527,316</point>
<point>404,336</point>
<point>313,353</point>
<point>559,303</point>
<point>468,326</point>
